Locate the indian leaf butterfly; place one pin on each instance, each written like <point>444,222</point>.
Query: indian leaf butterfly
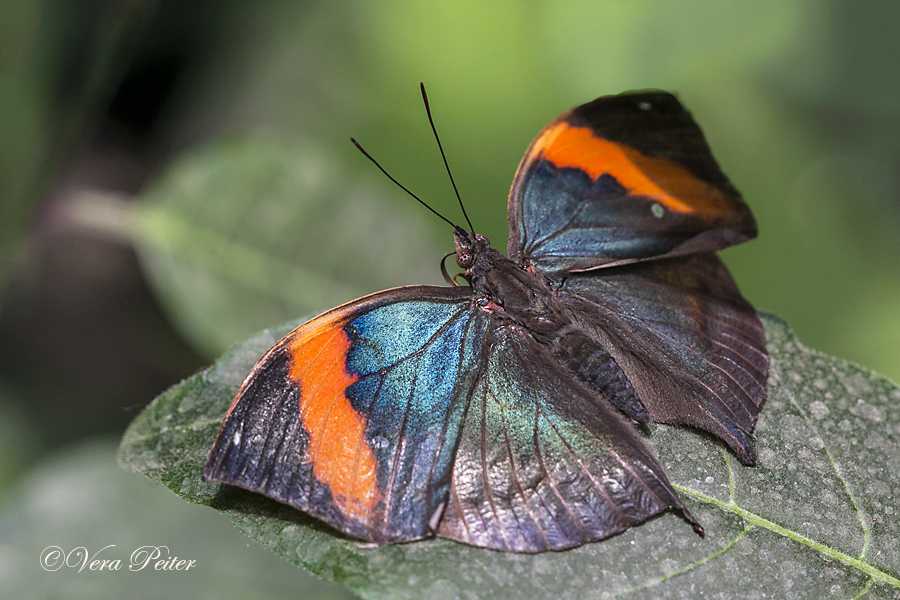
<point>503,414</point>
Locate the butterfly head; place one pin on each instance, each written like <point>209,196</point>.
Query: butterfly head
<point>468,246</point>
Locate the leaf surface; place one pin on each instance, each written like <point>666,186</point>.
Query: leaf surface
<point>815,518</point>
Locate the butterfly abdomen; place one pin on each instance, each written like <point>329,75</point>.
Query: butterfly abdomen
<point>594,365</point>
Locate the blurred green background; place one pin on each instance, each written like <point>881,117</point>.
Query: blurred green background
<point>175,176</point>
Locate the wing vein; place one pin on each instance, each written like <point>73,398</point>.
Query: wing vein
<point>484,470</point>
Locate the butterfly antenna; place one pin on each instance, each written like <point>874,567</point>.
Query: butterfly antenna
<point>400,185</point>
<point>441,148</point>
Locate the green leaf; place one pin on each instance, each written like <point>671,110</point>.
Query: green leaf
<point>816,518</point>
<point>250,232</point>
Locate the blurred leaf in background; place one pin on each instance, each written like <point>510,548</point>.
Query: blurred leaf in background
<point>252,232</point>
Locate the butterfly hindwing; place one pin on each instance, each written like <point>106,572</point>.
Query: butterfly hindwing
<point>354,416</point>
<point>691,346</point>
<point>622,179</point>
<point>541,465</point>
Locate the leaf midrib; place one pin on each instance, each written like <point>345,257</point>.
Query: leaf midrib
<point>756,520</point>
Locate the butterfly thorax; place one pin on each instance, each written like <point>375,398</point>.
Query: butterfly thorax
<point>507,289</point>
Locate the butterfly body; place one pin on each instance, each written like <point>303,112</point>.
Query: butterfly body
<point>502,414</point>
<point>506,288</point>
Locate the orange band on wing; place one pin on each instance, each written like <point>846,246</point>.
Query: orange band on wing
<point>337,448</point>
<point>657,178</point>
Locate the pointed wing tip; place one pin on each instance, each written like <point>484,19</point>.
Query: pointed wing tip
<point>209,475</point>
<point>209,469</point>
<point>746,452</point>
<point>686,514</point>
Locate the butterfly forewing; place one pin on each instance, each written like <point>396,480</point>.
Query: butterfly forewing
<point>354,416</point>
<point>618,180</point>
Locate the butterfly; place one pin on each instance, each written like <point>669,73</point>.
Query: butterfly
<point>504,414</point>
